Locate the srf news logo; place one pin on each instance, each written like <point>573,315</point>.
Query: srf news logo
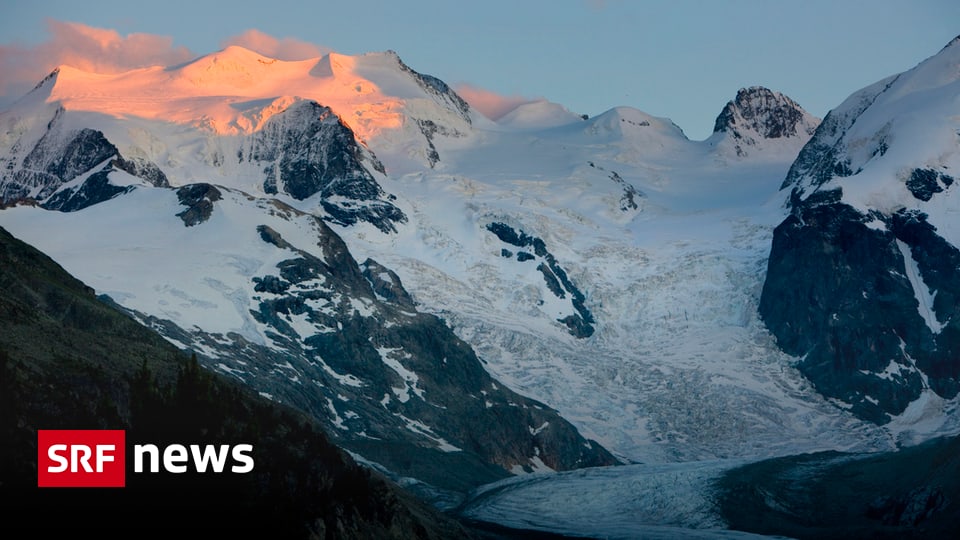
<point>97,458</point>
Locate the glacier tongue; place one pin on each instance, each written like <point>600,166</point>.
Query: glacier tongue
<point>637,501</point>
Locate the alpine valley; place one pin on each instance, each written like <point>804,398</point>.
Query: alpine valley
<point>543,319</point>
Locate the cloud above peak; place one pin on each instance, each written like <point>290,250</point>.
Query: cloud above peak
<point>281,49</point>
<point>83,47</point>
<point>490,104</point>
<point>105,50</point>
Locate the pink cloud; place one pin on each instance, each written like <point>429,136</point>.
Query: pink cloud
<point>84,47</point>
<point>491,104</point>
<point>281,49</point>
<point>106,50</point>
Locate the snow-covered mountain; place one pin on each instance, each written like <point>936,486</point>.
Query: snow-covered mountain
<point>240,268</point>
<point>759,114</point>
<point>864,273</point>
<point>238,119</point>
<point>608,268</point>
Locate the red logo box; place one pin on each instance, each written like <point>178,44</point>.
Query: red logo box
<point>81,458</point>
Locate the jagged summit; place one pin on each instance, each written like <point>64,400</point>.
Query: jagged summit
<point>770,114</point>
<point>50,77</point>
<point>758,114</point>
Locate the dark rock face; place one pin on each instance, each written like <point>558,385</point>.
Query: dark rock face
<point>429,128</point>
<point>628,200</point>
<point>95,189</point>
<point>69,360</point>
<point>315,153</point>
<point>758,114</point>
<point>838,294</point>
<point>829,298</point>
<point>908,510</point>
<point>446,97</point>
<point>439,89</point>
<point>199,199</point>
<point>910,493</point>
<point>580,324</point>
<point>348,346</point>
<point>867,296</point>
<point>386,284</point>
<point>83,152</point>
<point>760,110</point>
<point>938,265</point>
<point>61,156</point>
<point>56,159</point>
<point>924,183</point>
<point>306,151</point>
<point>432,376</point>
<point>142,169</point>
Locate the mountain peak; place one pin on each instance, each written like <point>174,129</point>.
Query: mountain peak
<point>230,68</point>
<point>762,111</point>
<point>759,114</point>
<point>50,76</point>
<point>234,53</point>
<point>235,90</point>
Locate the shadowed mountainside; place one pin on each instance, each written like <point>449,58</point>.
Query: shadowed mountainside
<point>911,493</point>
<point>69,361</point>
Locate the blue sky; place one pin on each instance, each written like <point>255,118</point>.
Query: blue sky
<point>680,59</point>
